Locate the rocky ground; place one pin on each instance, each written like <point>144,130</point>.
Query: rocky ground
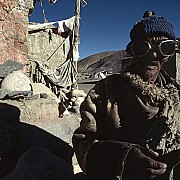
<point>39,114</point>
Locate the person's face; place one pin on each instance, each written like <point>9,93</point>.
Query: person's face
<point>150,63</point>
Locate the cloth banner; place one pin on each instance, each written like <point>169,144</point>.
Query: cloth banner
<point>84,3</point>
<point>64,75</point>
<point>63,25</point>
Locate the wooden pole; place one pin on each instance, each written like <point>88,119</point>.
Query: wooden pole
<point>77,18</point>
<point>76,36</point>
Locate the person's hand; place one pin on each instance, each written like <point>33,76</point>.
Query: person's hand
<point>141,163</point>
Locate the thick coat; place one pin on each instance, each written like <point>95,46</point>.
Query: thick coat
<point>120,112</point>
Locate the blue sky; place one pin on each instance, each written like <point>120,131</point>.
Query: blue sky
<point>105,24</point>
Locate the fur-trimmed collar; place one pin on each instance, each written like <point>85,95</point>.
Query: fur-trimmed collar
<point>165,130</point>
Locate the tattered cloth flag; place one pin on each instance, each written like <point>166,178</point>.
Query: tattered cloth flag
<point>84,3</point>
<point>52,1</point>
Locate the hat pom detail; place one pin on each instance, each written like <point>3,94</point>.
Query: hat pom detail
<point>152,26</point>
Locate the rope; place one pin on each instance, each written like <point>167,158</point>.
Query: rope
<point>41,4</point>
<point>55,50</point>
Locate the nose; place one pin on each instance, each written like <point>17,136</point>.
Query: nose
<point>154,54</point>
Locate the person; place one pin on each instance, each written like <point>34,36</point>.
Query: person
<point>130,127</point>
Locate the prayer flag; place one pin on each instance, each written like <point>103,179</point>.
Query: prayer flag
<point>84,3</point>
<point>52,1</point>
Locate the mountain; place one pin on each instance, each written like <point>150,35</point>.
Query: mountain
<point>102,62</point>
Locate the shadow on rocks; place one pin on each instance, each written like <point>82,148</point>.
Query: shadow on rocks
<point>17,138</point>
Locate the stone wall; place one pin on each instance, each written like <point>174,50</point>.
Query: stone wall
<point>14,31</point>
<point>35,109</point>
<point>46,46</point>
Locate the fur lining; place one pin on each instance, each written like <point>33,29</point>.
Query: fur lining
<point>164,132</point>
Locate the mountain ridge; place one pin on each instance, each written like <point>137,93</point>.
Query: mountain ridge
<point>109,61</point>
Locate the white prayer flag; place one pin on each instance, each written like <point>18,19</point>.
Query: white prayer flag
<point>52,1</point>
<point>84,3</point>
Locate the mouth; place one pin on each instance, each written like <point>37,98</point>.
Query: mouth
<point>149,67</point>
<point>153,65</point>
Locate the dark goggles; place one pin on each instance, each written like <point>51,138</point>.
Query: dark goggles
<point>141,48</point>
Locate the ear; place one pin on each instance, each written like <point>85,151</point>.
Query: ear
<point>129,49</point>
<point>177,45</point>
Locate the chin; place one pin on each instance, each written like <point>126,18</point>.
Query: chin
<point>150,76</point>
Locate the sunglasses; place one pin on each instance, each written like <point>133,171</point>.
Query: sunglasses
<point>141,48</point>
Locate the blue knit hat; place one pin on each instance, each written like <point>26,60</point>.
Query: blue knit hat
<point>152,26</point>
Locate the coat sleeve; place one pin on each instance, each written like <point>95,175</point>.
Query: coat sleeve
<point>97,157</point>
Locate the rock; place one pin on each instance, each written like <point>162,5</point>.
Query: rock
<point>77,93</point>
<point>16,81</point>
<point>39,88</point>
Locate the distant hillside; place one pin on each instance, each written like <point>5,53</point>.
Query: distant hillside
<point>106,61</point>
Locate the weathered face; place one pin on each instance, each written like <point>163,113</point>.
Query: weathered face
<point>151,55</point>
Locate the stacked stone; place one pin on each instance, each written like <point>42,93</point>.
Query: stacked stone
<point>14,30</point>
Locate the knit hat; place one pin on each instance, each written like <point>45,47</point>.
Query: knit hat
<point>152,26</point>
